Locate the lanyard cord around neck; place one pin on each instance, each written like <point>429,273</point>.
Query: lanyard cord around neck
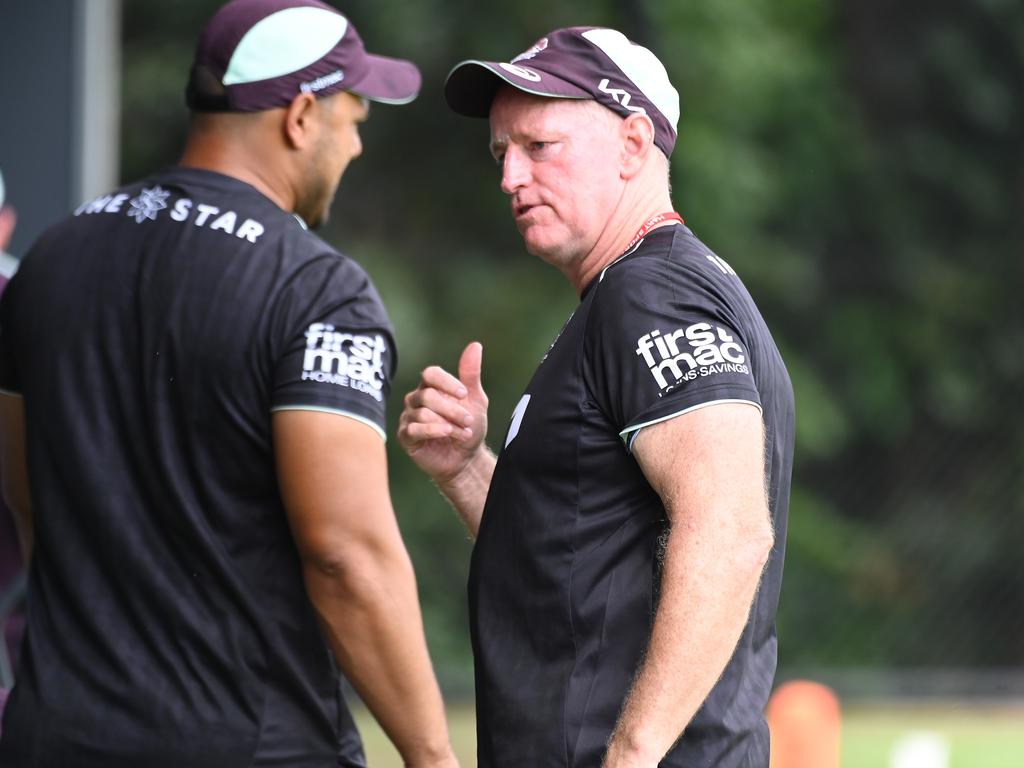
<point>650,224</point>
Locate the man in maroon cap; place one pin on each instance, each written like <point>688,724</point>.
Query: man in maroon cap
<point>192,425</point>
<point>629,535</point>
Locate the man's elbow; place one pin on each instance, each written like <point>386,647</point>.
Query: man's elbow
<point>746,546</point>
<point>357,570</point>
<point>757,548</point>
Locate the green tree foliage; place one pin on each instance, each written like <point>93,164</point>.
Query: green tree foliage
<point>860,163</point>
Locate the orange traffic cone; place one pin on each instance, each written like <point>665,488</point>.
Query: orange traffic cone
<point>804,720</point>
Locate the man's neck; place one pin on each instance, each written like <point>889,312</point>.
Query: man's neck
<point>629,218</point>
<point>225,154</point>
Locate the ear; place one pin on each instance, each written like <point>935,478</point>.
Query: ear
<point>300,123</point>
<point>637,134</point>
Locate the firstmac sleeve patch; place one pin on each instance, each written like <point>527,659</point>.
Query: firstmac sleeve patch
<point>337,346</point>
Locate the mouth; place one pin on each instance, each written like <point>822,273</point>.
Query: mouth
<point>521,210</point>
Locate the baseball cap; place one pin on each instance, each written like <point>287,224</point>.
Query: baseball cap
<point>576,63</point>
<point>260,54</point>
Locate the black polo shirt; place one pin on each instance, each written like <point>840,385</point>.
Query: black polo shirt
<point>152,334</point>
<point>564,576</point>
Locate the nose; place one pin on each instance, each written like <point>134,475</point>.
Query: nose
<point>515,171</point>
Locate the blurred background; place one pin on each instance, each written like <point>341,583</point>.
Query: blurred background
<point>860,163</point>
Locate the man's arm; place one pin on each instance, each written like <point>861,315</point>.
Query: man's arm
<point>333,478</point>
<point>708,468</point>
<point>14,468</point>
<point>443,428</point>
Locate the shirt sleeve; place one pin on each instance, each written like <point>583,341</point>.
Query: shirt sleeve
<point>334,349</point>
<point>662,340</point>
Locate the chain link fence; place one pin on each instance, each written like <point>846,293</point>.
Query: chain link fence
<point>904,572</point>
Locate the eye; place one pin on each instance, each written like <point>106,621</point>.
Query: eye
<point>539,146</point>
<point>499,159</point>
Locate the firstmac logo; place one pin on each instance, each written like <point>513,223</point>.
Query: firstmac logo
<point>689,353</point>
<point>345,359</point>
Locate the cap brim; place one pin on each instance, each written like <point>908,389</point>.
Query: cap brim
<point>387,80</point>
<point>471,85</point>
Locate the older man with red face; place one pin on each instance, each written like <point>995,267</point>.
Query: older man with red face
<point>622,611</point>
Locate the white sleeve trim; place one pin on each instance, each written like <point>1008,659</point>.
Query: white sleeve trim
<point>326,409</point>
<point>629,434</point>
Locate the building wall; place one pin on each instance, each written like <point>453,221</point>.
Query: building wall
<point>59,107</point>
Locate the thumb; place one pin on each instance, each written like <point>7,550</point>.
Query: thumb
<point>469,367</point>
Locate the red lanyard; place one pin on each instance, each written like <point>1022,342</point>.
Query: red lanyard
<point>651,223</point>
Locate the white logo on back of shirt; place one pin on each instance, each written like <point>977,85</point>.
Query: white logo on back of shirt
<point>708,350</point>
<point>148,204</point>
<point>151,201</point>
<point>345,359</point>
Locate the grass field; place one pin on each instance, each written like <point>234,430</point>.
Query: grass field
<point>977,738</point>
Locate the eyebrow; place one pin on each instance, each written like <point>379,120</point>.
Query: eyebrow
<point>498,144</point>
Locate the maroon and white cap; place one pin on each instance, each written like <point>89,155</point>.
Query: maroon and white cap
<point>576,63</point>
<point>260,54</point>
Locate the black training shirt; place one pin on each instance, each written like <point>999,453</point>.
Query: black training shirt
<point>152,334</point>
<point>564,575</point>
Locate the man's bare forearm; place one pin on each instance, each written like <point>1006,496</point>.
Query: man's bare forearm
<point>370,610</point>
<point>708,586</point>
<point>467,491</point>
<point>14,469</point>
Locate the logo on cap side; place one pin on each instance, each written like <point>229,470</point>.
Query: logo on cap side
<point>642,67</point>
<point>621,97</point>
<point>523,72</point>
<point>539,46</point>
<point>322,82</point>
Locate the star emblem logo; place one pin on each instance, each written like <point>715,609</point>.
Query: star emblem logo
<point>148,204</point>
